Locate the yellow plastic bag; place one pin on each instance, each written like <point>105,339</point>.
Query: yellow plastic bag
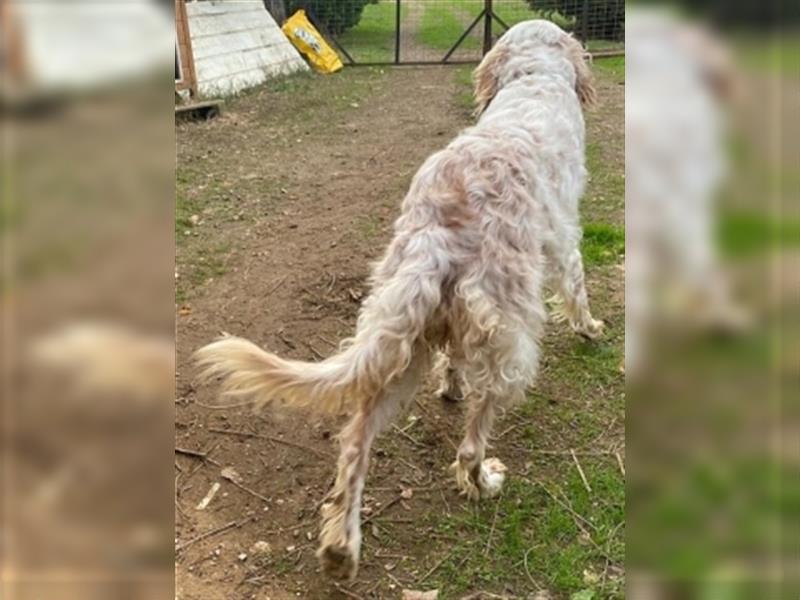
<point>308,40</point>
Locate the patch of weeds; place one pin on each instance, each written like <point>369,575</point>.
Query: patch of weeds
<point>742,234</point>
<point>184,209</point>
<point>203,264</point>
<point>282,566</point>
<point>580,369</point>
<point>307,99</point>
<point>546,535</point>
<point>185,206</point>
<point>294,83</point>
<point>606,189</point>
<point>742,499</point>
<point>602,244</point>
<point>464,98</point>
<point>368,226</point>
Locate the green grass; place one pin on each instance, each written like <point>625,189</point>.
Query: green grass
<point>465,97</point>
<point>442,26</point>
<point>372,40</point>
<point>606,190</point>
<point>556,534</point>
<point>773,54</point>
<point>597,45</point>
<point>742,234</point>
<point>514,12</point>
<point>207,264</point>
<point>612,65</point>
<point>603,244</point>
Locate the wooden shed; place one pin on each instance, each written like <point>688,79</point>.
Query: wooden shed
<point>224,47</point>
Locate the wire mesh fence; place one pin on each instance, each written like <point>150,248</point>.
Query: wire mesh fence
<point>435,31</point>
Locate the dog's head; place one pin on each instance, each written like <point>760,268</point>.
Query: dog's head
<point>515,54</point>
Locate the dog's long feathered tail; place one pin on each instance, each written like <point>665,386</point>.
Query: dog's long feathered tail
<point>392,319</point>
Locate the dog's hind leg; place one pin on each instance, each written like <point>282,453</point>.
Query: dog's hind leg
<point>575,302</point>
<point>340,537</point>
<point>448,371</point>
<point>500,371</point>
<point>476,476</point>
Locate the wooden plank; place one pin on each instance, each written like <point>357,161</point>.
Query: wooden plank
<point>198,110</point>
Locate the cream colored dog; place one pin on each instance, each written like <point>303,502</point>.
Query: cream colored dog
<point>487,221</point>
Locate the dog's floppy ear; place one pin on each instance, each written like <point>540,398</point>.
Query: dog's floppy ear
<point>486,76</point>
<point>584,80</point>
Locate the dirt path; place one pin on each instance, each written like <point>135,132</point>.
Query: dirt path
<point>283,202</point>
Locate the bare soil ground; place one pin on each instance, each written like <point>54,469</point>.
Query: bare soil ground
<point>282,203</point>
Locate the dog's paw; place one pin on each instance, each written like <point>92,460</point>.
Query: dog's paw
<point>592,330</point>
<point>467,487</point>
<point>490,480</point>
<point>338,561</point>
<point>493,474</point>
<point>558,313</point>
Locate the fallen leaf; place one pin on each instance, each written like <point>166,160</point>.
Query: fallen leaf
<point>407,493</point>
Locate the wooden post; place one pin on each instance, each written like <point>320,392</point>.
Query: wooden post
<point>183,45</point>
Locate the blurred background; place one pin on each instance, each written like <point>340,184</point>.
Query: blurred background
<point>87,297</point>
<point>712,234</point>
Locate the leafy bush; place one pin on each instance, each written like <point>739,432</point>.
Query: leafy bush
<point>335,16</point>
<point>604,19</point>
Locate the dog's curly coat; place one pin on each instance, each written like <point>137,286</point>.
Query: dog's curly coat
<point>485,222</point>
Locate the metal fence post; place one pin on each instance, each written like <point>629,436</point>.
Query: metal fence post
<point>585,23</point>
<point>397,33</point>
<point>487,26</point>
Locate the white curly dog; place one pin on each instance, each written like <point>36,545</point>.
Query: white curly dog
<point>488,222</point>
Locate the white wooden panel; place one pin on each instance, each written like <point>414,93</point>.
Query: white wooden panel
<point>217,7</point>
<point>85,43</point>
<point>237,45</point>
